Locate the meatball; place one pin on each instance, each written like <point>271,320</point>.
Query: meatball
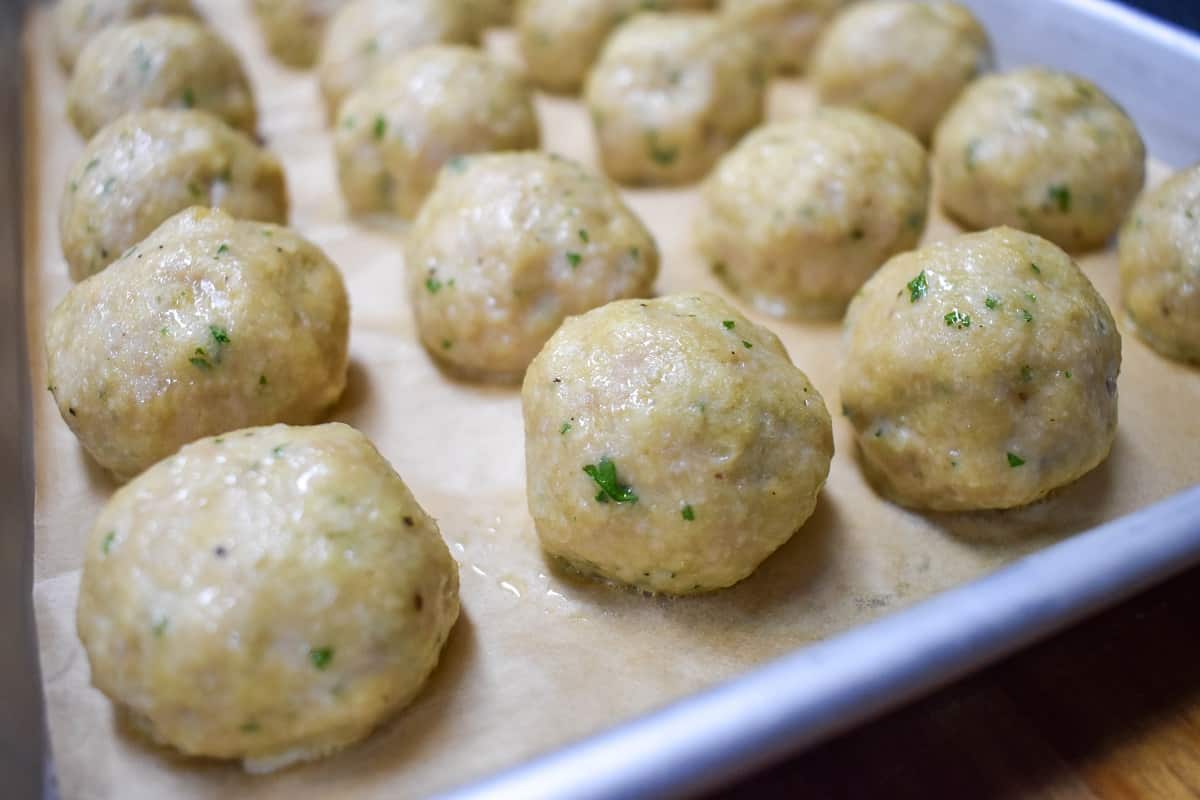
<point>560,39</point>
<point>149,165</point>
<point>980,372</point>
<point>786,29</point>
<point>1160,266</point>
<point>904,61</point>
<point>158,62</point>
<point>418,112</point>
<point>670,444</point>
<point>366,34</point>
<point>670,94</point>
<point>271,595</point>
<point>77,21</point>
<point>208,325</point>
<point>293,29</point>
<point>1042,151</point>
<point>802,212</point>
<point>509,245</point>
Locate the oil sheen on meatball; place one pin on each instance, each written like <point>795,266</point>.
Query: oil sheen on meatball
<point>670,444</point>
<point>208,325</point>
<point>1042,151</point>
<point>149,165</point>
<point>507,246</point>
<point>802,212</point>
<point>269,595</point>
<point>980,372</point>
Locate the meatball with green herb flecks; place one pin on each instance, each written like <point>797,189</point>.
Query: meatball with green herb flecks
<point>670,444</point>
<point>77,21</point>
<point>1041,151</point>
<point>269,595</point>
<point>158,62</point>
<point>507,246</point>
<point>980,372</point>
<point>207,325</point>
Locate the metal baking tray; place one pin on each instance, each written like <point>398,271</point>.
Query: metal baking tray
<point>715,736</point>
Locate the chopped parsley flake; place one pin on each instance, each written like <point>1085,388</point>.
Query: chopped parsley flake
<point>991,301</point>
<point>262,380</point>
<point>219,334</point>
<point>635,254</point>
<point>663,155</point>
<point>573,259</point>
<point>917,287</point>
<point>583,236</point>
<point>1059,195</point>
<point>107,544</point>
<point>432,284</point>
<point>1025,315</point>
<point>160,627</point>
<point>688,514</point>
<point>1035,268</point>
<point>380,127</point>
<point>957,319</point>
<point>1027,373</point>
<point>447,344</point>
<point>250,727</point>
<point>223,249</point>
<point>1031,297</point>
<point>1067,373</point>
<point>1015,460</point>
<point>746,344</point>
<point>604,474</point>
<point>566,426</point>
<point>189,98</point>
<point>321,657</point>
<point>729,324</point>
<point>200,359</point>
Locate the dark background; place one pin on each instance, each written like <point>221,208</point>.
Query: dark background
<point>1185,13</point>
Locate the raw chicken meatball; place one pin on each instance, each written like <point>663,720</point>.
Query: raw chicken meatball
<point>802,212</point>
<point>1042,151</point>
<point>415,114</point>
<point>786,29</point>
<point>149,165</point>
<point>560,39</point>
<point>366,34</point>
<point>270,595</point>
<point>1160,266</point>
<point>208,325</point>
<point>509,245</point>
<point>158,62</point>
<point>77,21</point>
<point>670,94</point>
<point>904,61</point>
<point>293,29</point>
<point>980,372</point>
<point>670,444</point>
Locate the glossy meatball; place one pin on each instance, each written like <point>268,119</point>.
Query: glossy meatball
<point>786,30</point>
<point>670,94</point>
<point>208,325</point>
<point>980,372</point>
<point>271,595</point>
<point>366,34</point>
<point>418,112</point>
<point>77,21</point>
<point>149,165</point>
<point>1042,151</point>
<point>158,62</point>
<point>560,39</point>
<point>904,61</point>
<point>509,245</point>
<point>802,212</point>
<point>293,29</point>
<point>1160,266</point>
<point>670,444</point>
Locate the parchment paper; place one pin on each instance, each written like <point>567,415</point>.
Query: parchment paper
<point>539,657</point>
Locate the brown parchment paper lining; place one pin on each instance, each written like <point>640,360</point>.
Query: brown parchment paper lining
<point>539,658</point>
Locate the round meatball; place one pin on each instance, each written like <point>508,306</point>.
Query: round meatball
<point>149,165</point>
<point>560,39</point>
<point>293,29</point>
<point>158,62</point>
<point>77,21</point>
<point>208,325</point>
<point>509,245</point>
<point>415,114</point>
<point>905,61</point>
<point>1160,266</point>
<point>801,213</point>
<point>786,29</point>
<point>670,94</point>
<point>670,444</point>
<point>980,372</point>
<point>270,595</point>
<point>366,34</point>
<point>1042,151</point>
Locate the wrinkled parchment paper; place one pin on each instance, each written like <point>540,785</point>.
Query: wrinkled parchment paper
<point>539,657</point>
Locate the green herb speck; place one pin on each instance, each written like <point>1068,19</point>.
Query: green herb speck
<point>573,259</point>
<point>262,380</point>
<point>1068,373</point>
<point>321,657</point>
<point>688,513</point>
<point>1015,460</point>
<point>957,319</point>
<point>380,127</point>
<point>160,627</point>
<point>223,249</point>
<point>447,344</point>
<point>991,301</point>
<point>729,324</point>
<point>432,284</point>
<point>1059,195</point>
<point>583,236</point>
<point>746,344</point>
<point>107,544</point>
<point>189,98</point>
<point>250,727</point>
<point>918,287</point>
<point>219,334</point>
<point>1027,373</point>
<point>1035,268</point>
<point>1025,315</point>
<point>604,473</point>
<point>566,426</point>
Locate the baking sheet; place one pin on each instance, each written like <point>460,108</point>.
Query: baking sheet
<point>539,658</point>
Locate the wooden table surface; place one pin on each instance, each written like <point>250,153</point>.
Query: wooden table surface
<point>1109,709</point>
